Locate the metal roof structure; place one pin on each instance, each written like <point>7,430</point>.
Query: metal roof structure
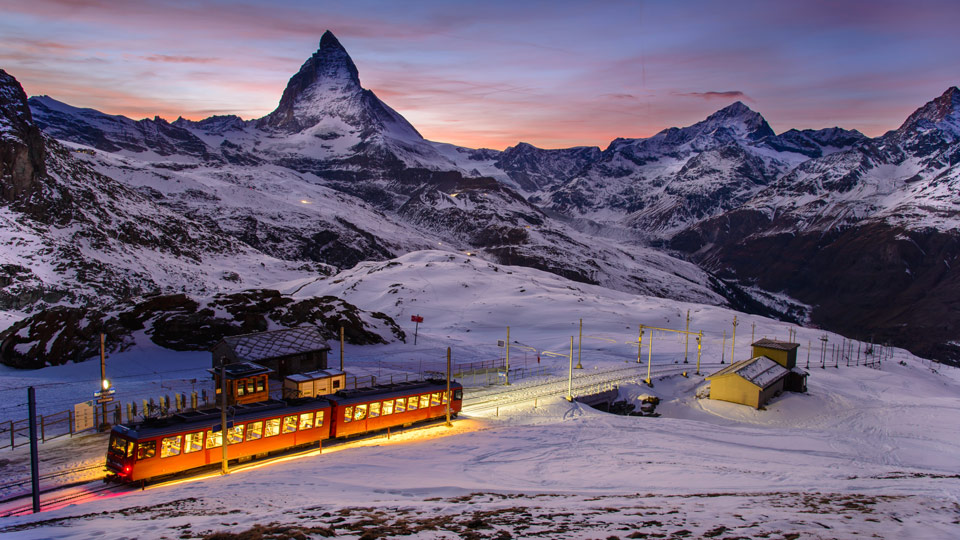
<point>760,371</point>
<point>314,375</point>
<point>276,343</point>
<point>775,344</point>
<point>241,370</point>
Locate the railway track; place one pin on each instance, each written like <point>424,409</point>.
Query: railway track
<point>59,497</point>
<point>557,386</point>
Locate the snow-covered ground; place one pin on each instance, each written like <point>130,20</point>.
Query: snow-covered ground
<point>865,453</point>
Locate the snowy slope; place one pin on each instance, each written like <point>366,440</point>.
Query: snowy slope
<point>864,452</point>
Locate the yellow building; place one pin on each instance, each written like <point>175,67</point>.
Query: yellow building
<point>750,382</point>
<point>785,354</point>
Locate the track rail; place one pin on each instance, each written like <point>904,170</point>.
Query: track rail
<point>63,495</point>
<point>557,386</point>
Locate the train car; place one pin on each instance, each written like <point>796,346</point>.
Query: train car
<point>166,446</point>
<point>372,409</point>
<point>160,447</point>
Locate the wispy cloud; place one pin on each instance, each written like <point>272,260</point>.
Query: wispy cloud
<point>179,59</point>
<point>728,94</point>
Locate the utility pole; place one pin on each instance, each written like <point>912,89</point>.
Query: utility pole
<point>341,348</point>
<point>570,376</point>
<point>823,351</point>
<point>733,341</point>
<point>34,458</point>
<point>723,349</point>
<point>640,345</point>
<point>507,378</point>
<point>753,328</point>
<point>808,354</point>
<point>580,346</point>
<point>448,384</point>
<point>224,469</point>
<point>699,344</point>
<point>649,359</point>
<point>686,336</point>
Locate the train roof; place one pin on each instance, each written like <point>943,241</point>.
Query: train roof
<point>388,391</point>
<point>207,418</point>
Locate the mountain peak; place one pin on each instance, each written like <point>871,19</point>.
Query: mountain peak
<point>740,119</point>
<point>22,150</point>
<point>941,113</point>
<point>329,71</point>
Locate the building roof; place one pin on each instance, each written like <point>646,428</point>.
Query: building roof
<point>775,344</point>
<point>241,370</point>
<point>760,371</point>
<point>315,375</point>
<point>276,343</point>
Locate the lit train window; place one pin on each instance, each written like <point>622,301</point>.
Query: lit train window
<point>388,407</point>
<point>424,401</point>
<point>214,439</point>
<point>170,446</point>
<point>434,399</point>
<point>193,442</point>
<point>235,434</point>
<point>319,418</point>
<point>121,446</point>
<point>457,394</point>
<point>360,412</point>
<point>374,409</point>
<point>254,431</point>
<point>446,397</point>
<point>290,423</point>
<point>412,403</point>
<point>306,420</point>
<point>347,414</point>
<point>260,383</point>
<point>272,427</point>
<point>250,386</point>
<point>400,406</point>
<point>240,389</point>
<point>146,449</point>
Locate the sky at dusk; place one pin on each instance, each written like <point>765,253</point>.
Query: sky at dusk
<point>493,73</point>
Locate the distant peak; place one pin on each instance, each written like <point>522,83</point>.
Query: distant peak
<point>942,112</point>
<point>740,118</point>
<point>735,110</point>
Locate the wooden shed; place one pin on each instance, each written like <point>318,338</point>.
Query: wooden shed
<point>293,350</point>
<point>785,354</point>
<point>750,382</point>
<point>314,383</point>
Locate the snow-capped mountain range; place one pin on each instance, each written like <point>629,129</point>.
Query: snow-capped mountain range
<point>334,177</point>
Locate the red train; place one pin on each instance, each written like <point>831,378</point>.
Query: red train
<point>160,447</point>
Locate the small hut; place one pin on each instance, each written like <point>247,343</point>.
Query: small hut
<point>314,383</point>
<point>293,350</point>
<point>750,382</point>
<point>785,354</point>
